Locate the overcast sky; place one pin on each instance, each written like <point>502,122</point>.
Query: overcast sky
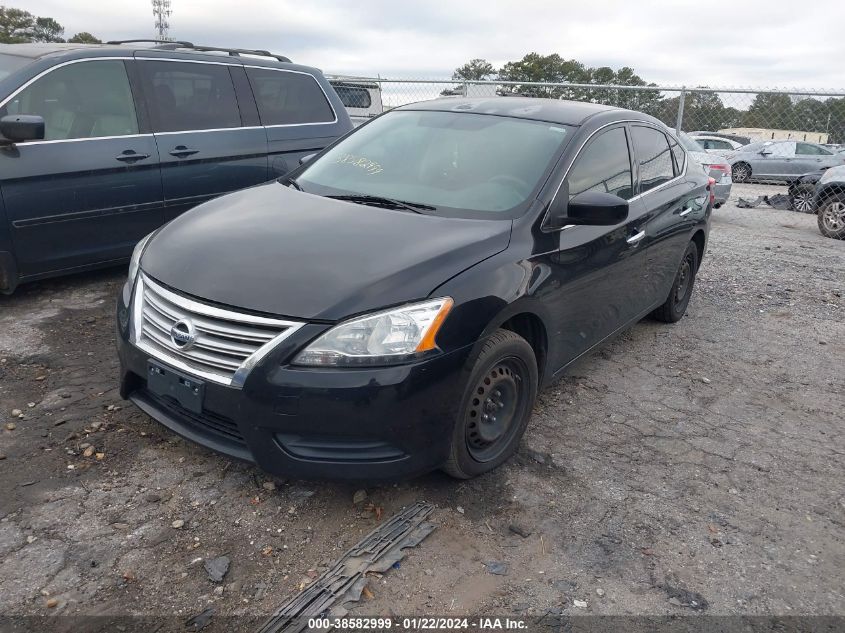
<point>740,43</point>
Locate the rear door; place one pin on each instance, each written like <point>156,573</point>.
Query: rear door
<point>813,157</point>
<point>91,189</point>
<point>296,113</point>
<point>670,207</point>
<point>207,142</point>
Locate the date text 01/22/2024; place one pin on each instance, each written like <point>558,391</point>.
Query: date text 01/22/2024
<point>417,624</point>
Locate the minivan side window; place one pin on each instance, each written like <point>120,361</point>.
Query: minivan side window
<point>86,99</point>
<point>288,98</point>
<point>190,96</point>
<point>653,156</point>
<point>604,165</point>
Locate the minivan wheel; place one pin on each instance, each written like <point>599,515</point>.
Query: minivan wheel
<point>495,407</point>
<point>831,217</point>
<point>675,306</point>
<point>741,172</point>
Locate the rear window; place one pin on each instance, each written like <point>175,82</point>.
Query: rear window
<point>353,96</point>
<point>288,98</point>
<point>10,63</point>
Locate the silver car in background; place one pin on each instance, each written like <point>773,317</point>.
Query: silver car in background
<point>782,161</point>
<point>714,165</point>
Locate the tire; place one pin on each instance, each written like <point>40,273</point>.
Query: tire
<point>801,196</point>
<point>675,306</point>
<point>831,217</point>
<point>741,172</point>
<point>495,407</point>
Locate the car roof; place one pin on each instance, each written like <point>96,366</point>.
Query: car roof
<point>550,110</point>
<point>170,50</point>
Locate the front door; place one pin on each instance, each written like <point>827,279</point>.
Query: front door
<point>594,283</point>
<point>91,189</point>
<point>206,147</point>
<point>777,161</point>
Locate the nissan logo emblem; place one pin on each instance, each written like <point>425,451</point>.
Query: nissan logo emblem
<point>183,334</point>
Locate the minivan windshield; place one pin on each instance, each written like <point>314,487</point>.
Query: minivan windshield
<point>10,63</point>
<point>440,162</point>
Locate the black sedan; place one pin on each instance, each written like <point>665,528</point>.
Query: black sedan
<point>394,304</point>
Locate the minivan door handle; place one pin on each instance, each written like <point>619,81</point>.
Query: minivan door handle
<point>180,151</point>
<point>635,239</point>
<point>130,156</point>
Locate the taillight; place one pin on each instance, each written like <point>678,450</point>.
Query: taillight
<point>710,182</point>
<point>720,167</point>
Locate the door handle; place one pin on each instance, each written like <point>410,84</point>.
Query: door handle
<point>180,151</point>
<point>130,156</point>
<point>635,239</point>
<point>686,211</point>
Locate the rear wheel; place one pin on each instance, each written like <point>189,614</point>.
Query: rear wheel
<point>496,406</point>
<point>832,217</point>
<point>675,306</point>
<point>801,197</point>
<point>741,172</point>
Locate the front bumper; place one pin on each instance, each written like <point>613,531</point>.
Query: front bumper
<point>374,423</point>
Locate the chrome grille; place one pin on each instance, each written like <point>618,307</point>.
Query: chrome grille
<point>224,345</point>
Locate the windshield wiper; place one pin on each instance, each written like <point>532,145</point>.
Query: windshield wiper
<point>380,201</point>
<point>296,185</point>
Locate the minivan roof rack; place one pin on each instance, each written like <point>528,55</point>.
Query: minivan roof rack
<point>234,52</point>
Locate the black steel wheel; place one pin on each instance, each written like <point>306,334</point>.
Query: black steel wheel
<point>675,306</point>
<point>496,406</point>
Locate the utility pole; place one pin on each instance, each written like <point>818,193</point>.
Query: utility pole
<point>161,11</point>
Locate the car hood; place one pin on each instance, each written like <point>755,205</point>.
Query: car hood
<point>275,250</point>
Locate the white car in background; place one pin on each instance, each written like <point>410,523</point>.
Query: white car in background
<point>715,166</point>
<point>360,97</point>
<point>715,143</point>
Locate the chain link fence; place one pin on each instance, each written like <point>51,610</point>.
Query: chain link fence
<point>815,116</point>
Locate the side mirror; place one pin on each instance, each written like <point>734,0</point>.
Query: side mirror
<point>22,127</point>
<point>590,208</point>
<point>307,158</point>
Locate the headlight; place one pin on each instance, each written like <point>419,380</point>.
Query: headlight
<point>135,262</point>
<point>384,338</point>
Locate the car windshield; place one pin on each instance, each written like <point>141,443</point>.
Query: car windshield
<point>452,162</point>
<point>690,144</point>
<point>10,63</point>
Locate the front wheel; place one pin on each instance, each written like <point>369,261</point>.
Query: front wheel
<point>496,406</point>
<point>832,217</point>
<point>675,306</point>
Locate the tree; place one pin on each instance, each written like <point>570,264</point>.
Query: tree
<point>18,26</point>
<point>474,70</point>
<point>770,111</point>
<point>47,30</point>
<point>15,25</point>
<point>546,68</point>
<point>84,38</point>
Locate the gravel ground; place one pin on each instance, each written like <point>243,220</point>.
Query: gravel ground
<point>688,468</point>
